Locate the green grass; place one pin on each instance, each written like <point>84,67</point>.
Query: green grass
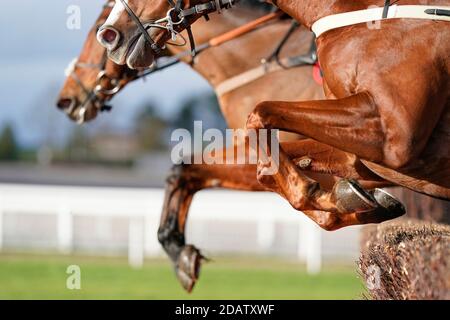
<point>31,276</point>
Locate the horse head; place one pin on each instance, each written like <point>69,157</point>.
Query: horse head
<point>136,31</point>
<point>92,79</point>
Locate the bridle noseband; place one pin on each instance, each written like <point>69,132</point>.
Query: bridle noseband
<point>94,95</point>
<point>177,16</point>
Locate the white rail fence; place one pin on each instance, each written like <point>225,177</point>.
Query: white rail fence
<point>219,221</point>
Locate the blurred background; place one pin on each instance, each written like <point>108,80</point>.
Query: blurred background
<point>91,195</point>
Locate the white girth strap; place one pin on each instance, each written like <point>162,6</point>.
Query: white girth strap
<point>248,76</point>
<point>375,14</point>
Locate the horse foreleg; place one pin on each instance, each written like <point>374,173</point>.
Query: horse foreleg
<point>347,203</point>
<point>348,124</point>
<point>184,181</point>
<point>187,179</point>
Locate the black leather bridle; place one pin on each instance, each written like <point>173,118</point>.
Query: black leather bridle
<point>177,16</point>
<point>93,96</point>
<point>99,94</point>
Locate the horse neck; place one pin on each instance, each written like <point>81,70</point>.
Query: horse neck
<point>309,11</point>
<point>227,60</point>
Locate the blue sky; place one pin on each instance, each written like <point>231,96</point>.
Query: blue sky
<point>36,47</point>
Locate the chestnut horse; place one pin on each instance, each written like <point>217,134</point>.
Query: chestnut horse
<point>398,132</point>
<point>369,114</point>
<point>226,61</point>
<point>92,79</point>
<point>388,91</point>
<point>347,203</point>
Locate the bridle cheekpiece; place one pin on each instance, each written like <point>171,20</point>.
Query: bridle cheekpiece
<point>177,16</point>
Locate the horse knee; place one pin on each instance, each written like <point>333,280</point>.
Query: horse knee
<point>258,118</point>
<point>330,222</point>
<point>301,200</point>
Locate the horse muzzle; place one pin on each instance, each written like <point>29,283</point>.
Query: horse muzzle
<point>77,113</point>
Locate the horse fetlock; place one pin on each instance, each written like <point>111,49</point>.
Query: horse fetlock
<point>304,197</point>
<point>330,222</point>
<point>299,202</point>
<point>171,238</point>
<point>175,174</point>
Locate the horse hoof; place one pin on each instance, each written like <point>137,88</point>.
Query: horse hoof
<point>387,201</point>
<point>188,267</point>
<point>186,282</point>
<point>350,197</point>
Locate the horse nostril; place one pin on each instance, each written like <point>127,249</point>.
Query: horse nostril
<point>109,36</point>
<point>64,104</point>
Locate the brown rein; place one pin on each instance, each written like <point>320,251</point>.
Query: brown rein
<point>252,25</point>
<point>214,42</point>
